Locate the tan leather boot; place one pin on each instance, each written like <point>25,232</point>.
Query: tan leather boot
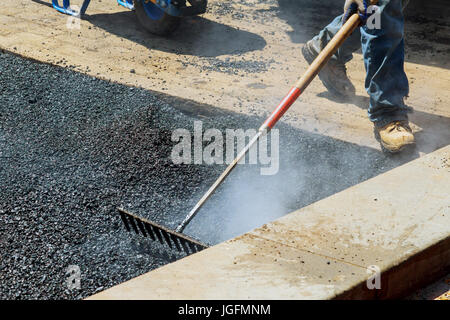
<point>395,136</point>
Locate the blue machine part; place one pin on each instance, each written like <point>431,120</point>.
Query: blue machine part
<point>155,11</point>
<point>126,3</point>
<point>177,8</point>
<point>152,10</point>
<point>65,8</point>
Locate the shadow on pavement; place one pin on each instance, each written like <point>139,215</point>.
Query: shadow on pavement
<point>45,3</point>
<point>196,36</point>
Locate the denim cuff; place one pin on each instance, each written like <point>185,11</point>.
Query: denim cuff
<point>398,116</point>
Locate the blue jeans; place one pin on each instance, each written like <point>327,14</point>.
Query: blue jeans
<point>384,56</point>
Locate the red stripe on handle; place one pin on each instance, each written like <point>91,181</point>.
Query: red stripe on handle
<point>283,107</point>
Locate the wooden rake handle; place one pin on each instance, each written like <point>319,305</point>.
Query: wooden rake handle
<point>346,30</point>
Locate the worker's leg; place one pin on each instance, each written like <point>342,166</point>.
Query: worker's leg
<point>334,75</point>
<point>386,81</point>
<point>383,51</point>
<point>352,44</point>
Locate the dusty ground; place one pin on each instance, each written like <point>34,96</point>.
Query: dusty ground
<point>74,147</point>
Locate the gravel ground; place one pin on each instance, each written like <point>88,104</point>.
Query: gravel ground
<point>73,148</point>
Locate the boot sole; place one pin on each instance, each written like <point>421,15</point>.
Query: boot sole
<point>310,57</point>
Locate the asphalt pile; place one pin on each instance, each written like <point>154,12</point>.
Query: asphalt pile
<point>73,148</point>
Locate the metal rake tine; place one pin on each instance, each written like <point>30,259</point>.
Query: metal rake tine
<point>124,220</point>
<point>141,227</point>
<point>158,235</point>
<point>175,242</point>
<point>192,247</point>
<point>185,246</point>
<point>167,238</point>
<point>149,228</point>
<point>133,224</point>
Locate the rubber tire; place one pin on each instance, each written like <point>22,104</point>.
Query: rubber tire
<point>164,26</point>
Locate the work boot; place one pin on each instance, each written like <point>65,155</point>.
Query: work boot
<point>333,74</point>
<point>395,136</point>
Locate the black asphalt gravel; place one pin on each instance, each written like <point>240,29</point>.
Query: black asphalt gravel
<point>73,148</point>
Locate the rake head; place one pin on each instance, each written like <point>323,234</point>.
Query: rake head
<point>156,232</point>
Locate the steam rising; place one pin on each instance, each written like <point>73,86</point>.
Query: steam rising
<point>312,167</point>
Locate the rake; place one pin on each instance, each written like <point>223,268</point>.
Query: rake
<point>177,240</point>
<point>156,232</point>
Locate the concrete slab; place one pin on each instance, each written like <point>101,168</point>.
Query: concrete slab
<point>227,271</point>
<point>232,58</point>
<point>397,223</point>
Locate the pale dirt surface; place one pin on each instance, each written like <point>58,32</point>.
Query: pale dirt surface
<point>240,55</point>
